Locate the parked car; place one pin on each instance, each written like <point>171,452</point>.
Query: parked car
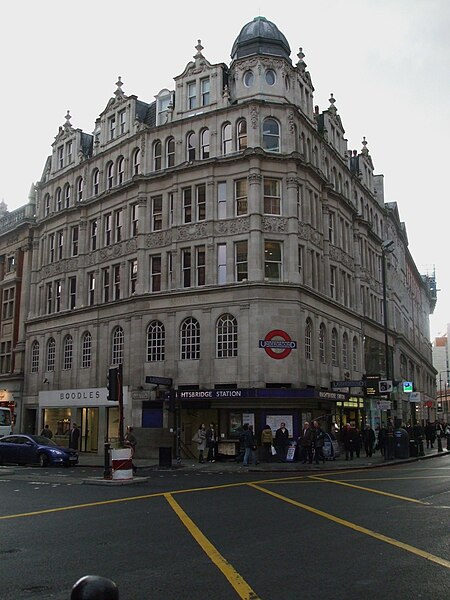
<point>35,449</point>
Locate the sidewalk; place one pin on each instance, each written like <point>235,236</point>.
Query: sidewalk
<point>231,466</point>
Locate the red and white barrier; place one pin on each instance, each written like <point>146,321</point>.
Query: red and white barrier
<point>121,463</point>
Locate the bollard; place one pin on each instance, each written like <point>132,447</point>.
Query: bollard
<point>93,587</point>
<point>421,450</point>
<point>439,441</point>
<point>107,470</point>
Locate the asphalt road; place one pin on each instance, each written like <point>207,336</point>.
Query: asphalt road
<point>366,534</point>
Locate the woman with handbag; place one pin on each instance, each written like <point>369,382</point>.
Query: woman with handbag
<point>266,443</point>
<point>200,439</point>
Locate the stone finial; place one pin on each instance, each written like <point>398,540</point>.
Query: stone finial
<point>199,49</point>
<point>67,118</point>
<point>364,150</point>
<point>301,63</point>
<point>119,92</point>
<point>332,107</point>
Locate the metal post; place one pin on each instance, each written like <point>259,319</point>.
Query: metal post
<point>107,474</point>
<point>91,587</point>
<point>120,390</point>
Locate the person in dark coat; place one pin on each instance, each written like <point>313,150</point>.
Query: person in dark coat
<point>351,441</point>
<point>47,432</point>
<point>368,436</point>
<point>305,442</point>
<point>282,442</point>
<point>430,434</point>
<point>318,440</point>
<point>211,442</point>
<point>249,443</point>
<point>74,437</point>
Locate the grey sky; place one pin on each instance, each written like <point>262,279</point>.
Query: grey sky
<point>387,62</point>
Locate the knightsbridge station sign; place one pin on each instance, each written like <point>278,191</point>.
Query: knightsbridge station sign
<point>259,393</point>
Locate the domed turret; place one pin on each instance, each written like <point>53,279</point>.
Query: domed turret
<point>260,36</point>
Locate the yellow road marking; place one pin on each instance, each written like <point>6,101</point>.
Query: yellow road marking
<point>378,536</point>
<point>242,588</point>
<point>365,489</point>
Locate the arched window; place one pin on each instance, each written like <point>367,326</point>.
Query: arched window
<point>271,135</point>
<point>170,152</point>
<point>79,189</point>
<point>226,336</point>
<point>204,144</point>
<point>66,195</point>
<point>86,350</point>
<point>327,168</point>
<point>227,141</point>
<point>51,353</point>
<point>95,182</point>
<point>68,352</point>
<point>156,341</point>
<point>241,130</point>
<point>190,146</point>
<point>190,339</point>
<point>120,170</point>
<point>46,205</point>
<point>334,348</point>
<point>157,156</point>
<point>109,176</point>
<point>355,354</point>
<point>117,346</point>
<point>35,357</point>
<point>137,161</point>
<point>308,340</point>
<point>322,334</point>
<point>58,199</point>
<point>345,351</point>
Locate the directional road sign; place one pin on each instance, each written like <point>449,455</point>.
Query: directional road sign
<point>159,380</point>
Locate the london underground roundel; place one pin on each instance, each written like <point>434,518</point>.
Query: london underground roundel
<point>277,344</point>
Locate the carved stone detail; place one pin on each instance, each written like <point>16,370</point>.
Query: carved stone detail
<point>235,226</point>
<point>274,224</point>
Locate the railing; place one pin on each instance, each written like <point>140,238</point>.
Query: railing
<point>12,219</point>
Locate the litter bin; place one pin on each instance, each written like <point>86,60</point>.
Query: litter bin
<point>413,448</point>
<point>401,443</point>
<point>165,457</point>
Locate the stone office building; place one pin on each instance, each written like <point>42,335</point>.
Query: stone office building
<point>223,237</point>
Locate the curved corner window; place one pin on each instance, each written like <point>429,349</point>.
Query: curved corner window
<point>271,135</point>
<point>270,77</point>
<point>248,78</point>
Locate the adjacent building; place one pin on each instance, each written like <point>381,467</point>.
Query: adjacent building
<point>222,237</point>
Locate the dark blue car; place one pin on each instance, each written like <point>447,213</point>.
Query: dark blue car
<point>35,449</point>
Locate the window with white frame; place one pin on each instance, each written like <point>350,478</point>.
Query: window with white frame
<point>5,356</point>
<point>222,200</point>
<point>301,262</point>
<point>122,121</point>
<point>345,351</point>
<point>200,200</point>
<point>156,341</point>
<point>8,303</point>
<point>200,265</point>
<point>49,297</point>
<point>272,260</point>
<point>190,339</point>
<point>112,127</point>
<point>171,208</point>
<point>86,351</point>
<point>190,146</point>
<point>93,232</point>
<point>186,266</point>
<point>204,144</point>
<point>117,346</point>
<point>272,196</point>
<point>170,152</point>
<point>155,273</point>
<point>187,205</point>
<point>67,352</point>
<point>192,95</point>
<point>120,170</point>
<point>91,288</point>
<point>221,264</point>
<point>51,355</point>
<point>169,270</point>
<point>241,260</point>
<point>79,189</point>
<point>95,182</point>
<point>308,340</point>
<point>116,282</point>
<point>58,199</point>
<point>60,157</point>
<point>332,228</point>
<point>137,161</point>
<point>132,270</point>
<point>157,156</point>
<point>69,152</point>
<point>47,205</point>
<point>205,91</point>
<point>226,336</point>
<point>333,282</point>
<point>51,248</point>
<point>241,129</point>
<point>106,284</point>
<point>240,197</point>
<point>72,292</point>
<point>66,195</point>
<point>334,348</point>
<point>355,354</point>
<point>227,139</point>
<point>110,176</point>
<point>134,220</point>
<point>118,225</point>
<point>74,235</point>
<point>58,294</point>
<point>35,351</point>
<point>60,244</point>
<point>271,135</point>
<point>322,334</point>
<point>157,207</point>
<point>107,229</point>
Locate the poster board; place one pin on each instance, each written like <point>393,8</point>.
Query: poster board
<point>274,422</point>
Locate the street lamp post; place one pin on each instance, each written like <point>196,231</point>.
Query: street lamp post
<point>386,248</point>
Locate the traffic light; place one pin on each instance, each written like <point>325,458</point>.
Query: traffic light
<point>113,384</point>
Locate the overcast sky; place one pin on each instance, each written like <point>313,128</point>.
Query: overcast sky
<point>387,62</point>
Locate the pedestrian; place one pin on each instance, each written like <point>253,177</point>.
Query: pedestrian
<point>430,434</point>
<point>305,441</point>
<point>211,443</point>
<point>382,439</point>
<point>254,447</point>
<point>249,443</point>
<point>74,437</point>
<point>447,435</point>
<point>47,432</point>
<point>351,441</point>
<point>318,440</point>
<point>200,439</point>
<point>368,436</point>
<point>131,442</point>
<point>282,442</point>
<point>266,443</point>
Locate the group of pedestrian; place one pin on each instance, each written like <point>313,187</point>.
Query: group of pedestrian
<point>206,439</point>
<point>311,442</point>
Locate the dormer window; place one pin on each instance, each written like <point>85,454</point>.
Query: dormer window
<point>122,121</point>
<point>205,91</point>
<point>162,104</point>
<point>112,127</point>
<point>192,95</point>
<point>69,147</point>
<point>60,157</point>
